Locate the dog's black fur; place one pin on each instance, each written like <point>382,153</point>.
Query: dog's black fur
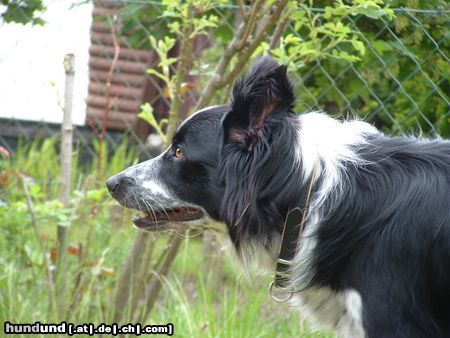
<point>382,230</point>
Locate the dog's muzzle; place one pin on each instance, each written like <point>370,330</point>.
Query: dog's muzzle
<point>118,184</point>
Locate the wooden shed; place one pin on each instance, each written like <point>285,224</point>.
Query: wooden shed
<point>129,84</point>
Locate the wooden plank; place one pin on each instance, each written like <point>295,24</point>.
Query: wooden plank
<point>100,26</point>
<point>116,90</point>
<point>104,12</point>
<point>117,103</point>
<point>123,66</point>
<point>116,119</point>
<point>138,55</point>
<point>105,39</point>
<point>129,80</point>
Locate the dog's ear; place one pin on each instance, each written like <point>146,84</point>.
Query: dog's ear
<point>264,91</point>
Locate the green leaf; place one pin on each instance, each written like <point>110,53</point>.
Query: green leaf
<point>152,71</point>
<point>346,56</point>
<point>359,46</point>
<point>147,115</point>
<point>381,46</point>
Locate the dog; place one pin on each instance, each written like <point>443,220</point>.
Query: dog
<point>372,257</point>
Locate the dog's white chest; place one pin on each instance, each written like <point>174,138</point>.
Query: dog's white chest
<point>338,311</point>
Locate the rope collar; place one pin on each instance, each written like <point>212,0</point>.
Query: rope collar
<point>293,227</point>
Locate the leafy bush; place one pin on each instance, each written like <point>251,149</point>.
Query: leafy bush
<point>22,11</point>
<point>355,57</point>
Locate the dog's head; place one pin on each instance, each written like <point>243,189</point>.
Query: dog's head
<point>180,185</point>
<point>231,163</point>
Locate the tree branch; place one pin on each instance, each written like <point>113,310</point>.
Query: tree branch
<point>181,75</point>
<point>279,30</point>
<point>137,262</point>
<point>242,8</point>
<point>254,11</point>
<point>213,83</point>
<point>154,287</point>
<point>247,52</point>
<point>126,283</point>
<point>101,134</point>
<point>218,80</point>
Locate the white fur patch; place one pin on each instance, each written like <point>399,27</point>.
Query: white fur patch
<point>354,305</point>
<point>338,311</point>
<point>156,188</point>
<point>302,270</point>
<point>257,260</point>
<point>326,143</point>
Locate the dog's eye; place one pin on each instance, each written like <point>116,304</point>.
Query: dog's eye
<point>179,153</point>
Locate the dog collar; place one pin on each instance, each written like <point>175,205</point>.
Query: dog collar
<point>293,227</point>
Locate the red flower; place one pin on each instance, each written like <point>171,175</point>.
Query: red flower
<point>4,152</point>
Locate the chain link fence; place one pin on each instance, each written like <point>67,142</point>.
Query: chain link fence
<point>401,83</point>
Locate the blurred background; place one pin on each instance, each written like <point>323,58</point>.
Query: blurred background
<point>125,73</point>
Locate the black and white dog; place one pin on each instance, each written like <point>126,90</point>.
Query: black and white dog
<point>373,259</point>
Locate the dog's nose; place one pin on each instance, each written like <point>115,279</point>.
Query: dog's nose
<point>112,183</point>
<point>118,185</point>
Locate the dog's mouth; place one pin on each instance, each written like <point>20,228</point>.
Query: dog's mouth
<point>159,220</point>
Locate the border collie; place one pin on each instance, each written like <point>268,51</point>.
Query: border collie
<point>373,255</point>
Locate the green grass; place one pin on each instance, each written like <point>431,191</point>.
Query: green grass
<point>229,307</point>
